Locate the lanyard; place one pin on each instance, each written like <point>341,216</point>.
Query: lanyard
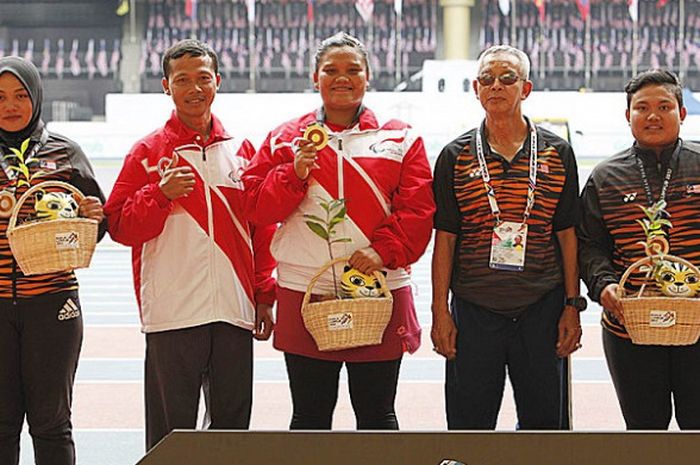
<point>486,177</point>
<point>667,177</point>
<point>12,174</point>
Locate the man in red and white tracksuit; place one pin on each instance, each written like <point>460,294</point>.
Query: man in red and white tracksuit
<point>202,274</point>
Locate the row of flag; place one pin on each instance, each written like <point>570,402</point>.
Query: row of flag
<point>364,7</point>
<point>584,7</point>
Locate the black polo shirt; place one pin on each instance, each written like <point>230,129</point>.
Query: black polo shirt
<point>463,209</point>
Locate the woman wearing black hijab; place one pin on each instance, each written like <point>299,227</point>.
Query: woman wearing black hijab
<point>41,327</point>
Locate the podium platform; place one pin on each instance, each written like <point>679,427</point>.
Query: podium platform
<point>429,448</point>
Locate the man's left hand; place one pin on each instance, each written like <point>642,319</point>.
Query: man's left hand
<point>570,332</point>
<point>264,323</point>
<point>366,260</point>
<point>91,207</point>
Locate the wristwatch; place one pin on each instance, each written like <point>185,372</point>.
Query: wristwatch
<point>579,302</point>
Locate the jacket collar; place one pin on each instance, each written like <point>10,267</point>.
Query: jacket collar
<point>179,134</point>
<point>649,156</point>
<point>541,143</point>
<point>367,120</point>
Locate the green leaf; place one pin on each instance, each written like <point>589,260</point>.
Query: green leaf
<point>643,224</point>
<point>315,218</point>
<point>335,220</point>
<point>37,174</point>
<point>336,203</point>
<point>323,203</point>
<point>22,182</point>
<point>25,171</point>
<point>318,229</point>
<point>24,146</point>
<point>341,239</point>
<point>664,222</point>
<point>341,213</point>
<point>17,153</point>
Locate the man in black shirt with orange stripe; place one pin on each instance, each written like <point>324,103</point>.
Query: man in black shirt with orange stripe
<point>659,166</point>
<point>507,204</point>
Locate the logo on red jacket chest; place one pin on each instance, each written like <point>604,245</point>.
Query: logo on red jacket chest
<point>391,147</point>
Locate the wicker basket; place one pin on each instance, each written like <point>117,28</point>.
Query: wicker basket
<point>51,246</point>
<point>346,323</point>
<point>652,318</point>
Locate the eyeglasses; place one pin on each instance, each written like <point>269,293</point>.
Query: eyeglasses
<point>507,79</point>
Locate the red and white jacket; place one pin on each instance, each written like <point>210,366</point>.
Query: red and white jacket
<point>382,173</point>
<point>196,260</point>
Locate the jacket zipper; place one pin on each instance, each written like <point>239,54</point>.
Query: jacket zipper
<point>210,219</point>
<point>341,187</point>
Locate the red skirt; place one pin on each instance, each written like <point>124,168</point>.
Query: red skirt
<point>402,334</point>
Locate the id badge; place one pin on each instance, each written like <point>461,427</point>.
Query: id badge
<point>508,243</point>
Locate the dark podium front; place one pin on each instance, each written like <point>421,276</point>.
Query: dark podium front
<point>417,448</point>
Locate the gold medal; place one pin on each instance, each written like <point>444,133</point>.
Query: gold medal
<point>317,135</point>
<point>7,203</point>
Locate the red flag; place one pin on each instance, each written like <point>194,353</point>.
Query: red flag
<point>540,6</point>
<point>365,8</point>
<point>661,3</point>
<point>584,7</point>
<point>191,8</point>
<point>310,11</point>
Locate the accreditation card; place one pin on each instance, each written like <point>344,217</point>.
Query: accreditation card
<point>508,243</point>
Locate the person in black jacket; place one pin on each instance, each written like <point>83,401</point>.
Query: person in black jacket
<point>41,327</point>
<point>658,166</point>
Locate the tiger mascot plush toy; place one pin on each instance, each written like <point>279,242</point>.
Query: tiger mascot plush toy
<point>54,206</point>
<point>356,285</point>
<point>677,280</point>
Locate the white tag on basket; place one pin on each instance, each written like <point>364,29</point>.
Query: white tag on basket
<point>340,321</point>
<point>662,318</point>
<point>67,240</point>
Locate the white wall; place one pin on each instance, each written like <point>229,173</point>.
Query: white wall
<point>596,120</point>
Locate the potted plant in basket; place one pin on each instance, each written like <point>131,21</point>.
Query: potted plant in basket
<point>325,228</point>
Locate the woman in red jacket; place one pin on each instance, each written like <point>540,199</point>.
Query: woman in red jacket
<point>381,174</point>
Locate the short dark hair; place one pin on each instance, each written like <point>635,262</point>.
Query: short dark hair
<point>655,77</point>
<point>341,39</point>
<point>190,47</point>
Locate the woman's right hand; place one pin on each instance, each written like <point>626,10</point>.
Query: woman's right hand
<point>610,302</point>
<point>305,158</point>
